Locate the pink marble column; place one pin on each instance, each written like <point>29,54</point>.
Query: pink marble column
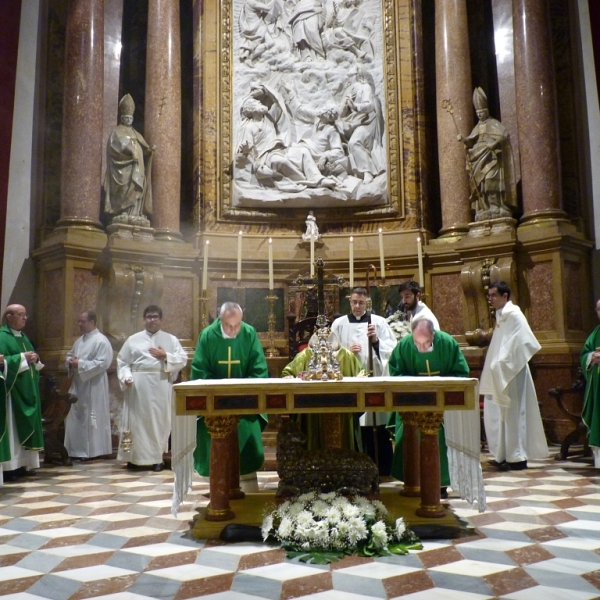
<point>537,111</point>
<point>163,114</point>
<point>453,77</point>
<point>81,164</point>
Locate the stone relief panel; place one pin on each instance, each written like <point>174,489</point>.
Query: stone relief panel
<point>446,302</point>
<point>178,311</point>
<point>54,303</point>
<point>541,296</point>
<point>85,288</point>
<point>575,310</point>
<point>308,104</point>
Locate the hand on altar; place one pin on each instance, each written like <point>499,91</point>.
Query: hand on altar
<point>158,353</point>
<point>288,377</point>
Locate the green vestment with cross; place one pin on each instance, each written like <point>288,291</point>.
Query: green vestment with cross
<point>591,403</point>
<point>445,360</point>
<point>217,357</point>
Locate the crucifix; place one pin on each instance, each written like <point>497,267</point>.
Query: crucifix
<point>430,373</point>
<point>229,362</point>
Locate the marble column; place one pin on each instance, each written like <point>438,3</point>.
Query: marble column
<point>81,161</point>
<point>163,114</point>
<point>430,465</point>
<point>220,429</point>
<point>537,111</point>
<point>453,83</point>
<point>411,456</point>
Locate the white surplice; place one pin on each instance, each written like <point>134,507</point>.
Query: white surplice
<point>147,406</point>
<point>422,311</point>
<point>87,426</point>
<point>513,424</point>
<point>350,332</point>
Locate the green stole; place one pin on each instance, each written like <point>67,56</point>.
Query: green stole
<point>217,357</point>
<point>24,392</point>
<point>591,403</point>
<point>445,360</point>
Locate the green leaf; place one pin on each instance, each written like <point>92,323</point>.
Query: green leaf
<point>317,558</point>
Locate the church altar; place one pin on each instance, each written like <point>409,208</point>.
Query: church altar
<point>422,400</point>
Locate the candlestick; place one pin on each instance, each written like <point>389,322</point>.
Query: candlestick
<point>271,350</point>
<point>239,257</point>
<point>351,260</point>
<point>312,257</point>
<point>420,258</point>
<point>381,255</point>
<point>205,269</point>
<point>271,286</point>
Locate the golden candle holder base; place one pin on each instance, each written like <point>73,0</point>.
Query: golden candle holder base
<point>271,351</point>
<point>203,310</point>
<point>383,291</point>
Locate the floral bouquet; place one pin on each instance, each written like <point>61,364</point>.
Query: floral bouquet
<point>399,324</point>
<point>322,528</point>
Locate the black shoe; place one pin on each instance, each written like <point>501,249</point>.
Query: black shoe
<point>158,467</point>
<point>10,476</point>
<point>514,466</point>
<point>444,493</point>
<point>29,473</point>
<point>132,467</point>
<point>495,463</point>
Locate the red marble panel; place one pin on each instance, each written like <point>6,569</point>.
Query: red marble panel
<point>539,279</point>
<point>454,398</point>
<point>178,307</point>
<point>275,400</point>
<point>575,310</point>
<point>195,403</point>
<point>374,399</point>
<point>53,297</point>
<point>446,302</point>
<point>85,295</point>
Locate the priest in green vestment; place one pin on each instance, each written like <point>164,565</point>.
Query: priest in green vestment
<point>590,366</point>
<point>21,436</point>
<point>312,424</point>
<point>426,353</point>
<point>230,348</point>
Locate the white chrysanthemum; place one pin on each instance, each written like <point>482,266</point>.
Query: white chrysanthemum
<point>295,509</point>
<point>340,502</point>
<point>320,508</point>
<point>321,530</point>
<point>282,508</point>
<point>379,533</point>
<point>380,507</point>
<point>286,528</point>
<point>400,528</point>
<point>328,496</point>
<point>306,497</point>
<point>305,518</point>
<point>343,529</point>
<point>266,527</point>
<point>306,546</point>
<point>366,508</point>
<point>333,515</point>
<point>350,510</point>
<point>357,531</point>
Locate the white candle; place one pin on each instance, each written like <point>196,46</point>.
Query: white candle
<point>351,259</point>
<point>271,264</point>
<point>312,257</point>
<point>239,261</point>
<point>205,269</point>
<point>381,255</point>
<point>420,258</point>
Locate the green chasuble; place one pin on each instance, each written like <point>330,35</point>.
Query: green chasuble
<point>312,424</point>
<point>217,357</point>
<point>24,392</point>
<point>591,402</point>
<point>445,360</point>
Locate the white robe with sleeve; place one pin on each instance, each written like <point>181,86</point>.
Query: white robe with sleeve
<point>147,406</point>
<point>87,426</point>
<point>513,424</point>
<point>349,333</point>
<point>422,311</point>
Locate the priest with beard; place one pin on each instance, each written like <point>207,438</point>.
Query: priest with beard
<point>413,306</point>
<point>230,348</point>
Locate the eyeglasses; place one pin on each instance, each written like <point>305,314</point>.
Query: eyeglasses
<point>152,317</point>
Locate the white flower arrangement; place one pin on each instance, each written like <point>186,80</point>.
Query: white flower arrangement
<point>399,324</point>
<point>321,528</point>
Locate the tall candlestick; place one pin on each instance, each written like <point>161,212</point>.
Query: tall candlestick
<point>351,260</point>
<point>312,257</point>
<point>239,256</point>
<point>271,264</point>
<point>205,269</point>
<point>381,255</point>
<point>420,258</point>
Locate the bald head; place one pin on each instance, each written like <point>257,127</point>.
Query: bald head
<point>15,316</point>
<point>423,332</point>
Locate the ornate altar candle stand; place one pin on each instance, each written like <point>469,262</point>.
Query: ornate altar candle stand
<point>424,399</point>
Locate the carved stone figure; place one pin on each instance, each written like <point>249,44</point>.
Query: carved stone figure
<point>490,165</point>
<point>327,470</point>
<point>350,29</point>
<point>127,183</point>
<point>254,22</point>
<point>363,126</point>
<point>312,231</point>
<point>307,21</point>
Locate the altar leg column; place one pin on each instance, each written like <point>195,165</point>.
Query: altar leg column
<point>430,466</point>
<point>411,457</point>
<point>220,429</point>
<point>235,492</point>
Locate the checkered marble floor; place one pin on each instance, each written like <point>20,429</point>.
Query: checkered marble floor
<point>97,530</point>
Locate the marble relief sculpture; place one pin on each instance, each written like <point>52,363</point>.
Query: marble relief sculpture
<point>308,118</point>
<point>127,182</point>
<point>490,164</point>
<point>312,230</point>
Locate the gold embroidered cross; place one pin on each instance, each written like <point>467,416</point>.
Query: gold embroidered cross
<point>229,362</point>
<point>429,371</point>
